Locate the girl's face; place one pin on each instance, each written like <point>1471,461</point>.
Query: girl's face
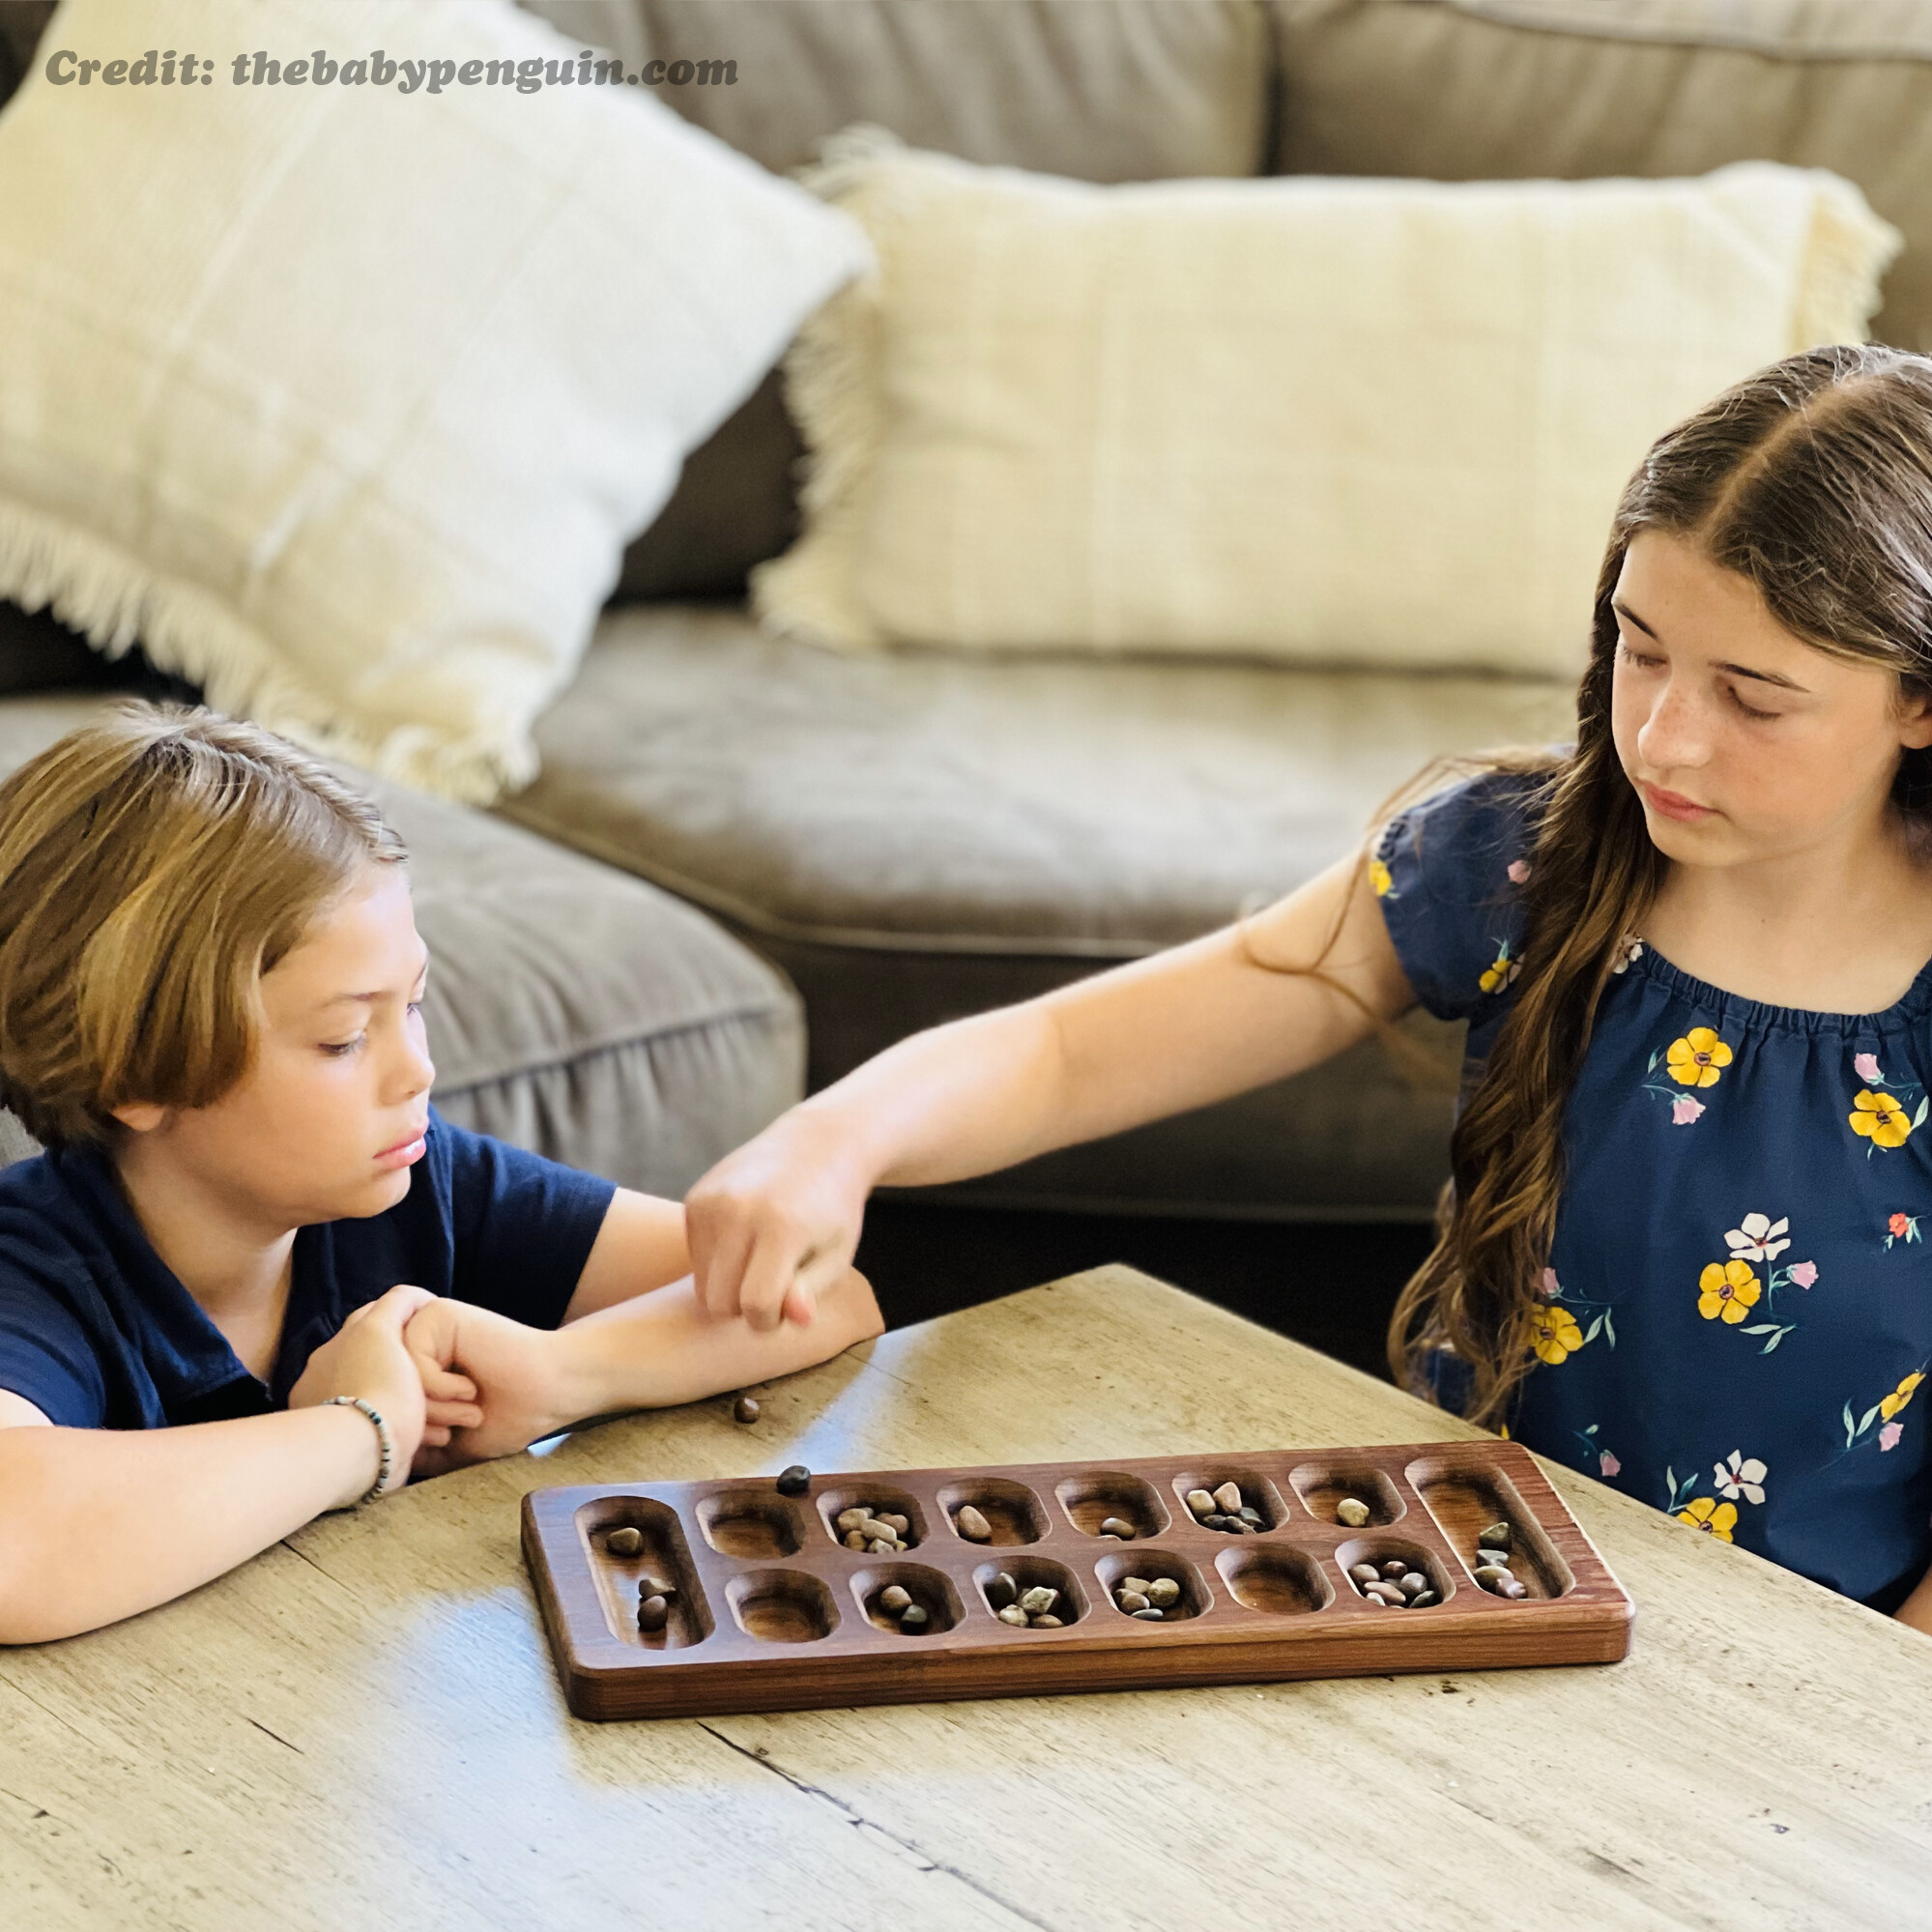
<point>330,1118</point>
<point>1744,742</point>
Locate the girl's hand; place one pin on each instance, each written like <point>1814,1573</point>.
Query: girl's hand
<point>366,1357</point>
<point>517,1374</point>
<point>772,1226</point>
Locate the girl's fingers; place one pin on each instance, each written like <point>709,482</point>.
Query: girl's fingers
<point>435,1436</point>
<point>801,1304</point>
<point>720,1270</point>
<point>445,1385</point>
<point>455,1415</point>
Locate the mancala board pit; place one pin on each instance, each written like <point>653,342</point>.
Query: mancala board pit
<point>684,1598</point>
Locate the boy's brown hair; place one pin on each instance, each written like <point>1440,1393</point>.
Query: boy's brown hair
<point>154,865</point>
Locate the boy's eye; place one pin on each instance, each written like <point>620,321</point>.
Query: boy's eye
<point>335,1049</point>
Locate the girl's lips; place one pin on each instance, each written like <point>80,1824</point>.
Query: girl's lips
<point>1673,804</point>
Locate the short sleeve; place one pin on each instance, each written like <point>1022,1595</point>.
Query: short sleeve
<point>524,1227</point>
<point>1448,874</point>
<point>45,1355</point>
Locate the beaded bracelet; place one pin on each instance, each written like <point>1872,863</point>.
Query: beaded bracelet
<point>388,1441</point>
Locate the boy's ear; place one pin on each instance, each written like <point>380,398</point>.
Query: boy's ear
<point>1915,721</point>
<point>140,1116</point>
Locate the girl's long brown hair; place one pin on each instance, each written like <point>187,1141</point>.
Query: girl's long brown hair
<point>1813,480</point>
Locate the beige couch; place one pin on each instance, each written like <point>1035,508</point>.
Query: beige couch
<point>922,835</point>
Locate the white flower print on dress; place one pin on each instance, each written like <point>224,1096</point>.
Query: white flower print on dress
<point>1757,1238</point>
<point>1741,1476</point>
<point>1629,949</point>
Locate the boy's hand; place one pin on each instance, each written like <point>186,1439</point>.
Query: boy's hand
<point>366,1357</point>
<point>516,1372</point>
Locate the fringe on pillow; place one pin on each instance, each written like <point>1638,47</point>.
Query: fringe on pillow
<point>1846,254</point>
<point>115,600</point>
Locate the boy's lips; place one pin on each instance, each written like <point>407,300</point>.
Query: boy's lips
<point>406,1152</point>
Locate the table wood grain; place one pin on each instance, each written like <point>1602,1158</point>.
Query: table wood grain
<point>363,1726</point>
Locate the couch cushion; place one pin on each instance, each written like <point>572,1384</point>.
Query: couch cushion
<point>1036,805</point>
<point>571,1010</point>
<point>1501,89</point>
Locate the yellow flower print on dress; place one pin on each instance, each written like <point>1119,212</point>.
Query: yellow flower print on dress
<point>1882,1120</point>
<point>1380,878</point>
<point>1501,972</point>
<point>1554,1334</point>
<point>1698,1059</point>
<point>1707,1514</point>
<point>1899,1397</point>
<point>1728,1289</point>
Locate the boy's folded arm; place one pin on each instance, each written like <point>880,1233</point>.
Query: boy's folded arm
<point>98,1523</point>
<point>661,1348</point>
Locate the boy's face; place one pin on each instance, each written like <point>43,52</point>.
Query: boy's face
<point>329,1118</point>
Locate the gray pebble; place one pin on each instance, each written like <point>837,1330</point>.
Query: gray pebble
<point>745,1409</point>
<point>894,1598</point>
<point>1046,1623</point>
<point>651,1613</point>
<point>1423,1600</point>
<point>1131,1601</point>
<point>1363,1572</point>
<point>1501,1556</point>
<point>913,1618</point>
<point>1150,1615</point>
<point>1413,1584</point>
<point>1119,1527</point>
<point>1163,1592</point>
<point>624,1541</point>
<point>1254,1518</point>
<point>656,1586</point>
<point>1002,1591</point>
<point>1200,1502</point>
<point>1352,1510</point>
<point>1397,1566</point>
<point>1511,1588</point>
<point>1039,1600</point>
<point>1490,1575</point>
<point>1237,1527</point>
<point>794,1480</point>
<point>973,1526</point>
<point>1013,1614</point>
<point>884,1546</point>
<point>1496,1537</point>
<point>1214,1521</point>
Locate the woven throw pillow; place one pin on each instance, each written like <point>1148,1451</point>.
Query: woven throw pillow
<point>1322,421</point>
<point>344,399</point>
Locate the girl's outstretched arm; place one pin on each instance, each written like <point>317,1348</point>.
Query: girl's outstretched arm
<point>774,1223</point>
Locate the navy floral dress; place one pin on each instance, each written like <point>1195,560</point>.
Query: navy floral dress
<point>1736,1315</point>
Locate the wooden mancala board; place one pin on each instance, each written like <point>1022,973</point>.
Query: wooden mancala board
<point>773,1612</point>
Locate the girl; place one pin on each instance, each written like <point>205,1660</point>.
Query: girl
<point>1694,1169</point>
<point>220,1288</point>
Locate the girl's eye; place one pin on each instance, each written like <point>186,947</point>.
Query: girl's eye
<point>1750,711</point>
<point>1632,655</point>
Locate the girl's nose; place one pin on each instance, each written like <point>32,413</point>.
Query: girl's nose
<point>1676,736</point>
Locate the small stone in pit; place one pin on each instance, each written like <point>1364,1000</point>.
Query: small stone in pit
<point>624,1541</point>
<point>853,1518</point>
<point>651,1613</point>
<point>1046,1623</point>
<point>1363,1572</point>
<point>1396,1566</point>
<point>1501,1556</point>
<point>794,1480</point>
<point>894,1598</point>
<point>1385,1593</point>
<point>1138,1583</point>
<point>1200,1502</point>
<point>1512,1588</point>
<point>1164,1592</point>
<point>855,1538</point>
<point>913,1618</point>
<point>1117,1526</point>
<point>656,1586</point>
<point>1495,1536</point>
<point>973,1526</point>
<point>745,1409</point>
<point>1490,1575</point>
<point>1131,1601</point>
<point>1039,1600</point>
<point>899,1526</point>
<point>1150,1615</point>
<point>883,1547</point>
<point>1253,1518</point>
<point>1236,1526</point>
<point>1423,1599</point>
<point>1013,1614</point>
<point>1002,1591</point>
<point>1413,1584</point>
<point>1214,1521</point>
<point>1228,1496</point>
<point>1352,1510</point>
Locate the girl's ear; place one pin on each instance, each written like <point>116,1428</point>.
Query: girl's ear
<point>139,1116</point>
<point>1915,719</point>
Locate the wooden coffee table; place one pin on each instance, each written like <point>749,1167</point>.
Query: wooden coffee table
<point>364,1726</point>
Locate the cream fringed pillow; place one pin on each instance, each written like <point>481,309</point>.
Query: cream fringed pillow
<point>342,395</point>
<point>1371,421</point>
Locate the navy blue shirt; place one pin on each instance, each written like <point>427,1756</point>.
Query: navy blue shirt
<point>1737,1317</point>
<point>97,1333</point>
